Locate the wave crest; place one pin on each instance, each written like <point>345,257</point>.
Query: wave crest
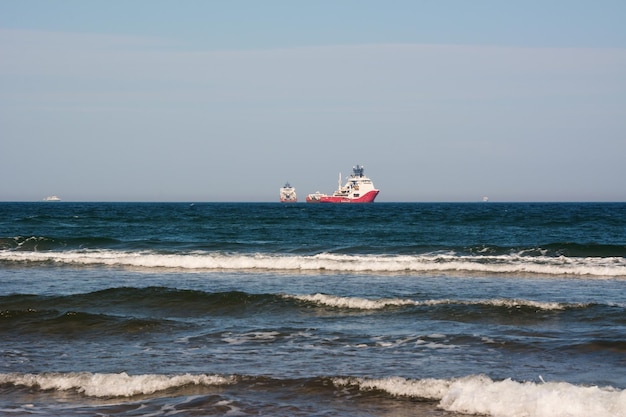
<point>472,395</point>
<point>433,263</point>
<point>359,303</point>
<point>480,395</point>
<point>111,385</point>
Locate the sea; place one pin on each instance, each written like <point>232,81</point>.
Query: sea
<point>270,309</point>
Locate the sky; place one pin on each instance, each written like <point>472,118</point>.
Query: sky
<point>208,101</point>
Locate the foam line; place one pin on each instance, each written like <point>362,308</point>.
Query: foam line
<point>110,385</point>
<point>359,303</point>
<point>479,395</point>
<point>502,264</point>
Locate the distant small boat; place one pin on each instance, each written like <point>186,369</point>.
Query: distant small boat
<point>52,198</point>
<point>288,194</point>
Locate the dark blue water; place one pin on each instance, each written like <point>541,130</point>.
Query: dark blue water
<point>295,309</point>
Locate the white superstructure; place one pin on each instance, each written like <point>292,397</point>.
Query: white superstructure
<point>288,194</point>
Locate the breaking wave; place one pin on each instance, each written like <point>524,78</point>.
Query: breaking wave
<point>480,395</point>
<point>169,300</point>
<point>424,263</point>
<point>110,385</point>
<point>472,395</point>
<point>368,304</point>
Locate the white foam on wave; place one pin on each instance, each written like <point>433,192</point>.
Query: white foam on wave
<point>110,385</point>
<point>519,303</point>
<point>472,395</point>
<point>503,264</point>
<point>359,303</point>
<point>352,302</point>
<point>256,337</point>
<point>480,395</point>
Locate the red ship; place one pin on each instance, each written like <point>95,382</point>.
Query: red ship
<point>358,189</point>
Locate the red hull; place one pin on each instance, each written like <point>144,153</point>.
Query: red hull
<point>367,198</point>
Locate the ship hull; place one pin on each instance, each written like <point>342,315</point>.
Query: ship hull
<point>369,197</point>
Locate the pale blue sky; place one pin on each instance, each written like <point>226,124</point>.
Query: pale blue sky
<point>445,100</point>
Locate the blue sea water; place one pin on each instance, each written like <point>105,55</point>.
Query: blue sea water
<point>384,309</point>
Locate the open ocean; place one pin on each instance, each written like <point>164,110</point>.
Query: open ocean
<point>269,309</point>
